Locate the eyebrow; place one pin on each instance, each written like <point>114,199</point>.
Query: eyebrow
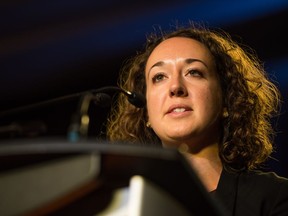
<point>187,61</point>
<point>190,60</point>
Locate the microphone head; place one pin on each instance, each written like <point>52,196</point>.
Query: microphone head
<point>137,99</point>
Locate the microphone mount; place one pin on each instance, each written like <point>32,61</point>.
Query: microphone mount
<point>75,130</point>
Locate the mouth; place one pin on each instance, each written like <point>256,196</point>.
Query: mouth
<point>179,109</point>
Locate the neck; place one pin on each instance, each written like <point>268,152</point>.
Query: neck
<point>207,165</point>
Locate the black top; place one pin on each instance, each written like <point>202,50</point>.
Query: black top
<point>253,193</point>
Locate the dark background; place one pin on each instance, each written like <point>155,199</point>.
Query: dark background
<point>53,48</point>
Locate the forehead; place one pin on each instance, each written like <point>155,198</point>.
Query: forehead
<point>180,47</point>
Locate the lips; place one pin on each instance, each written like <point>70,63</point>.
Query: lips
<point>179,108</point>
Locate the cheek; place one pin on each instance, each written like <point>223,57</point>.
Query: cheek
<point>212,102</point>
<point>151,102</point>
<point>154,103</point>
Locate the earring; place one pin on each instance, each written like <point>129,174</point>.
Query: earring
<point>225,113</point>
<point>148,124</point>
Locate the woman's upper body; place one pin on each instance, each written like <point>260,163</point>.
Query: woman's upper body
<point>204,94</point>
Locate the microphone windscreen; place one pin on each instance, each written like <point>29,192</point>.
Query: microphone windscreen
<point>137,100</point>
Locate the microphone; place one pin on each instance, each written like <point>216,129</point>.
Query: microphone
<point>80,120</point>
<point>134,98</point>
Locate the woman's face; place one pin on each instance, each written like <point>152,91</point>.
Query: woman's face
<point>184,97</point>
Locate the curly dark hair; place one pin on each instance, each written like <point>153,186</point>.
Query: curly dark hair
<point>250,97</point>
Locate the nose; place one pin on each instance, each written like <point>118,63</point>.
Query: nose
<point>178,87</point>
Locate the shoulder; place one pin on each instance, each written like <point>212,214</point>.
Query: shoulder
<point>260,178</point>
<point>253,193</point>
<point>266,189</point>
<point>264,184</point>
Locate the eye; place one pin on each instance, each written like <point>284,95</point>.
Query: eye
<point>158,77</point>
<point>194,73</point>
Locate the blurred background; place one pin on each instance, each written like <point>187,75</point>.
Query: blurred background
<point>49,49</point>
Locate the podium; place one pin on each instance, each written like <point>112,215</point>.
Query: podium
<point>57,177</point>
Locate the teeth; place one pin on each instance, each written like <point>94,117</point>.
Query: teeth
<point>179,110</point>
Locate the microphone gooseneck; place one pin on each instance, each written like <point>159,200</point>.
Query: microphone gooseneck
<point>135,99</point>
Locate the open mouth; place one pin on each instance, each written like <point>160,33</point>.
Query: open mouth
<point>179,109</point>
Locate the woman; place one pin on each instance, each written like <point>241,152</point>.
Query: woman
<point>213,100</point>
